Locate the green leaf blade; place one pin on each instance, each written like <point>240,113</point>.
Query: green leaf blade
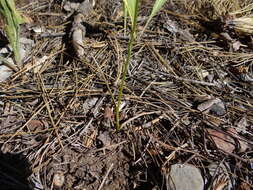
<point>131,9</point>
<point>157,6</point>
<point>12,21</point>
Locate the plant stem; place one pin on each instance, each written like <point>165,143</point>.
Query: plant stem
<point>125,17</point>
<point>126,64</point>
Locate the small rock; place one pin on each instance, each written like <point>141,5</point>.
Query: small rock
<point>105,138</point>
<point>206,105</point>
<point>58,179</point>
<point>88,104</point>
<point>71,6</point>
<point>6,72</point>
<point>218,109</point>
<point>35,125</point>
<point>185,177</point>
<point>214,106</point>
<point>242,125</point>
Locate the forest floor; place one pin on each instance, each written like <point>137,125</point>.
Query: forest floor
<point>187,101</point>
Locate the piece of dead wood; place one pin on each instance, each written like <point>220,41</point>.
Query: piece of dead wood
<point>78,29</point>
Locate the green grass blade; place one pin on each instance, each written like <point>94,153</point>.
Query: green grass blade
<point>129,55</point>
<point>12,21</point>
<point>131,8</point>
<point>157,6</point>
<point>16,16</point>
<point>125,17</point>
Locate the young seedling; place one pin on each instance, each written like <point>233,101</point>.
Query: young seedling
<point>131,7</point>
<point>132,10</point>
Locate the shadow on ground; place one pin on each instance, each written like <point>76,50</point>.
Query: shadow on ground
<point>14,171</point>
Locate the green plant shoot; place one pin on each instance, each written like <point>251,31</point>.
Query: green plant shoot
<point>12,20</point>
<point>132,10</point>
<point>157,6</point>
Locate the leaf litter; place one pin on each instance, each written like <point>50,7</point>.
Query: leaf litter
<point>188,93</point>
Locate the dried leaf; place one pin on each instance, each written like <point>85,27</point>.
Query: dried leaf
<point>105,138</point>
<point>243,144</point>
<point>222,141</point>
<point>35,125</point>
<point>108,119</point>
<point>108,113</point>
<point>244,186</point>
<point>226,36</point>
<point>89,104</point>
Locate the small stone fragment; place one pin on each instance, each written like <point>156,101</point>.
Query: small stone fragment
<point>207,104</point>
<point>105,138</point>
<point>71,6</point>
<point>58,179</point>
<point>185,177</point>
<point>218,109</point>
<point>242,125</point>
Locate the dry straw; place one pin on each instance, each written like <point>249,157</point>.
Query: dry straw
<point>240,12</point>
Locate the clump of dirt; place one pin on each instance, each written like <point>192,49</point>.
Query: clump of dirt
<point>88,170</point>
